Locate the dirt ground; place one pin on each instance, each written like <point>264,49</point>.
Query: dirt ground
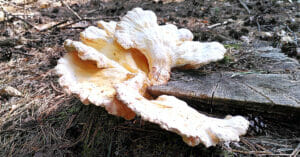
<point>44,121</point>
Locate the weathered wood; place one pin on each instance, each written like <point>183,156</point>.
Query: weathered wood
<point>267,93</point>
<point>276,94</point>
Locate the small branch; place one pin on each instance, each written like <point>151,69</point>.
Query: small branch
<point>219,24</point>
<point>294,34</point>
<point>296,151</point>
<point>76,21</point>
<point>245,6</point>
<point>25,21</point>
<point>214,25</point>
<point>25,54</point>
<point>89,19</point>
<point>56,25</point>
<point>263,148</point>
<point>258,25</point>
<point>74,27</point>
<point>250,145</point>
<point>52,85</point>
<point>65,4</point>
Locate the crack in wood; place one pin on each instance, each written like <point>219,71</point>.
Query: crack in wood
<point>260,93</point>
<point>213,92</point>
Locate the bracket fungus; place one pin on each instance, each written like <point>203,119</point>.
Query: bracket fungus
<point>114,63</point>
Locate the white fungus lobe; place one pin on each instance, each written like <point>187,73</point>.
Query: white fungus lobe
<point>114,63</point>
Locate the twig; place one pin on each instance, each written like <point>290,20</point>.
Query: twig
<point>65,4</point>
<point>294,34</point>
<point>74,27</point>
<point>94,135</point>
<point>248,144</point>
<point>263,148</point>
<point>42,76</point>
<point>52,85</point>
<point>245,6</point>
<point>110,145</point>
<point>258,25</point>
<point>56,25</point>
<point>25,54</point>
<point>68,125</point>
<point>51,108</point>
<point>91,19</point>
<point>219,24</point>
<point>76,21</point>
<point>214,25</point>
<point>296,151</point>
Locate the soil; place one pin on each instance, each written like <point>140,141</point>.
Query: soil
<point>45,121</point>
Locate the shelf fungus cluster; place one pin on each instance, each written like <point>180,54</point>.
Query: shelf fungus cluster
<point>114,63</point>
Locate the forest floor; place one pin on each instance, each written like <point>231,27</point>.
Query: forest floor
<point>38,119</point>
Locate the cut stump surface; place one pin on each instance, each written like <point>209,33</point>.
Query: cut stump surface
<point>275,94</point>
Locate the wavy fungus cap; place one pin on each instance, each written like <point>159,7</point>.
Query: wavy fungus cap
<point>114,63</point>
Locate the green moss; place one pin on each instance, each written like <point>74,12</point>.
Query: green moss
<point>74,109</point>
<point>217,10</point>
<point>235,46</point>
<point>227,59</point>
